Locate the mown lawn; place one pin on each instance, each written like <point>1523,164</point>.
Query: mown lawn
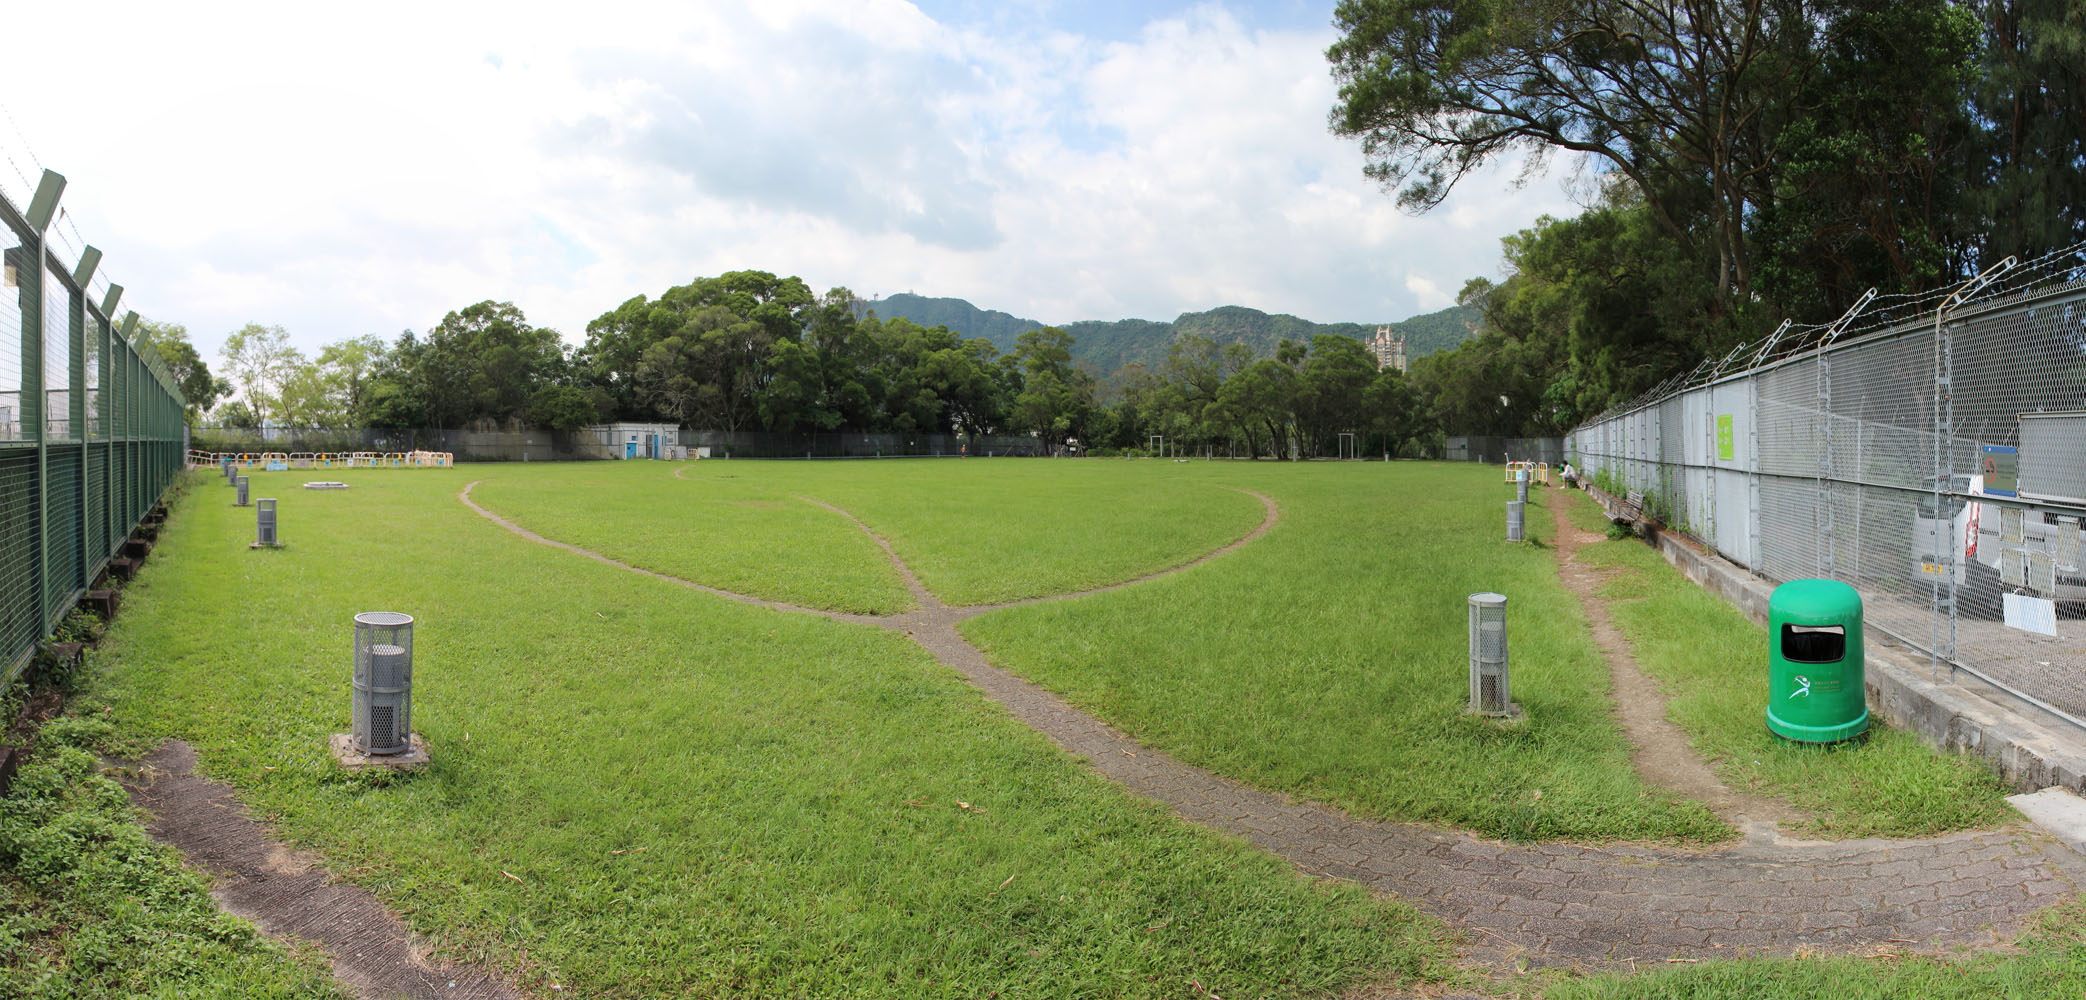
<point>643,790</point>
<point>737,533</point>
<point>982,532</point>
<point>1331,659</point>
<point>690,795</point>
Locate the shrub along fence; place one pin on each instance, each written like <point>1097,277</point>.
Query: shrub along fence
<point>91,430</point>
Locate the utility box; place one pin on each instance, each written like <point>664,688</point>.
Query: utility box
<point>1815,666</point>
<point>240,482</point>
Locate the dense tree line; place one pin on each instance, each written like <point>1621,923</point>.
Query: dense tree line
<point>748,350</point>
<point>1757,160</point>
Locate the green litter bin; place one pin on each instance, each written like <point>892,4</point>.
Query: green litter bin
<point>1814,662</point>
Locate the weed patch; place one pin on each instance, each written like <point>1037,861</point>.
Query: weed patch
<point>90,908</point>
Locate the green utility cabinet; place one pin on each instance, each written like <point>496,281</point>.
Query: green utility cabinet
<point>1815,691</point>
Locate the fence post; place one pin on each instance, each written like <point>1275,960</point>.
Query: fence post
<point>1944,591</point>
<point>76,413</point>
<point>1757,551</point>
<point>1821,428</point>
<point>43,208</point>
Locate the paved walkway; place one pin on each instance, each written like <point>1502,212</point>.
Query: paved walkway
<point>1551,903</point>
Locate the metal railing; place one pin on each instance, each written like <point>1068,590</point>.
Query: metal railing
<point>1930,451</point>
<point>90,425</point>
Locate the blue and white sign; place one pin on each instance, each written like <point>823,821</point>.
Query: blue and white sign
<point>2000,464</point>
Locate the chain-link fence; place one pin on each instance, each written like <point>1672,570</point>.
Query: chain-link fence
<point>90,426</point>
<point>1929,450</point>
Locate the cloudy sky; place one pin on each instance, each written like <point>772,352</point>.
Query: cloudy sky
<point>351,169</point>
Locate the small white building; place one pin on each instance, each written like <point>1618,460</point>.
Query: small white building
<point>637,440</point>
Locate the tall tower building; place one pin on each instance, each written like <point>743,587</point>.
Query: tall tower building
<point>1389,348</point>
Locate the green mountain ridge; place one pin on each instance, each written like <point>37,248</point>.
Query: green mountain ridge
<point>1109,345</point>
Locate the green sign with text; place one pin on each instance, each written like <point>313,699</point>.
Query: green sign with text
<point>1724,446</point>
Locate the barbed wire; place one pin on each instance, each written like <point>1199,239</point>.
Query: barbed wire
<point>77,241</point>
<point>2064,265</point>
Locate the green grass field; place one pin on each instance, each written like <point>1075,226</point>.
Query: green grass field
<point>1330,659</point>
<point>808,807</point>
<point>786,788</point>
<point>732,532</point>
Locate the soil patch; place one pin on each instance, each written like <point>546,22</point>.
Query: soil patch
<point>1662,754</point>
<point>288,893</point>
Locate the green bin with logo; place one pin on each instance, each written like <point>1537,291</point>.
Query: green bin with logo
<point>1815,692</point>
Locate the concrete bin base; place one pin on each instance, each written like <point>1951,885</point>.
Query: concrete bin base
<point>353,760</point>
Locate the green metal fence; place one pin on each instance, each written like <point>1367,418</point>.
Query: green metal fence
<point>90,428</point>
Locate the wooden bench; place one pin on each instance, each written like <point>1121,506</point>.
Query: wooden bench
<point>1630,511</point>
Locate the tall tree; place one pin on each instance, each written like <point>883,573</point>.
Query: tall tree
<point>259,360</point>
<point>191,374</point>
<point>2028,175</point>
<point>1056,398</point>
<point>1687,98</point>
<point>1332,391</point>
<point>733,357</point>
<point>1871,188</point>
<point>482,363</point>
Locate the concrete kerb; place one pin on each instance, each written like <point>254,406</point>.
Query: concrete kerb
<point>2025,751</point>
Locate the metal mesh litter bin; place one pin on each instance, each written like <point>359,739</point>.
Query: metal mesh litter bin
<point>1516,520</point>
<point>383,708</point>
<point>1488,655</point>
<point>1815,669</point>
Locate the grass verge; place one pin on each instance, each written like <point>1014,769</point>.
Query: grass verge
<point>1712,663</point>
<point>91,909</point>
<point>2050,962</point>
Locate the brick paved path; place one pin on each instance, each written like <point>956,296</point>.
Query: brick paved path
<point>1551,903</point>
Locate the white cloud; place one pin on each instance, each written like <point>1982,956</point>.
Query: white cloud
<point>1429,294</point>
<point>347,174</point>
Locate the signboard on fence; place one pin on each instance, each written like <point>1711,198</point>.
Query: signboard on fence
<point>2000,464</point>
<point>1727,450</point>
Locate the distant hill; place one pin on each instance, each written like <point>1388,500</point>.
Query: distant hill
<point>1111,345</point>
